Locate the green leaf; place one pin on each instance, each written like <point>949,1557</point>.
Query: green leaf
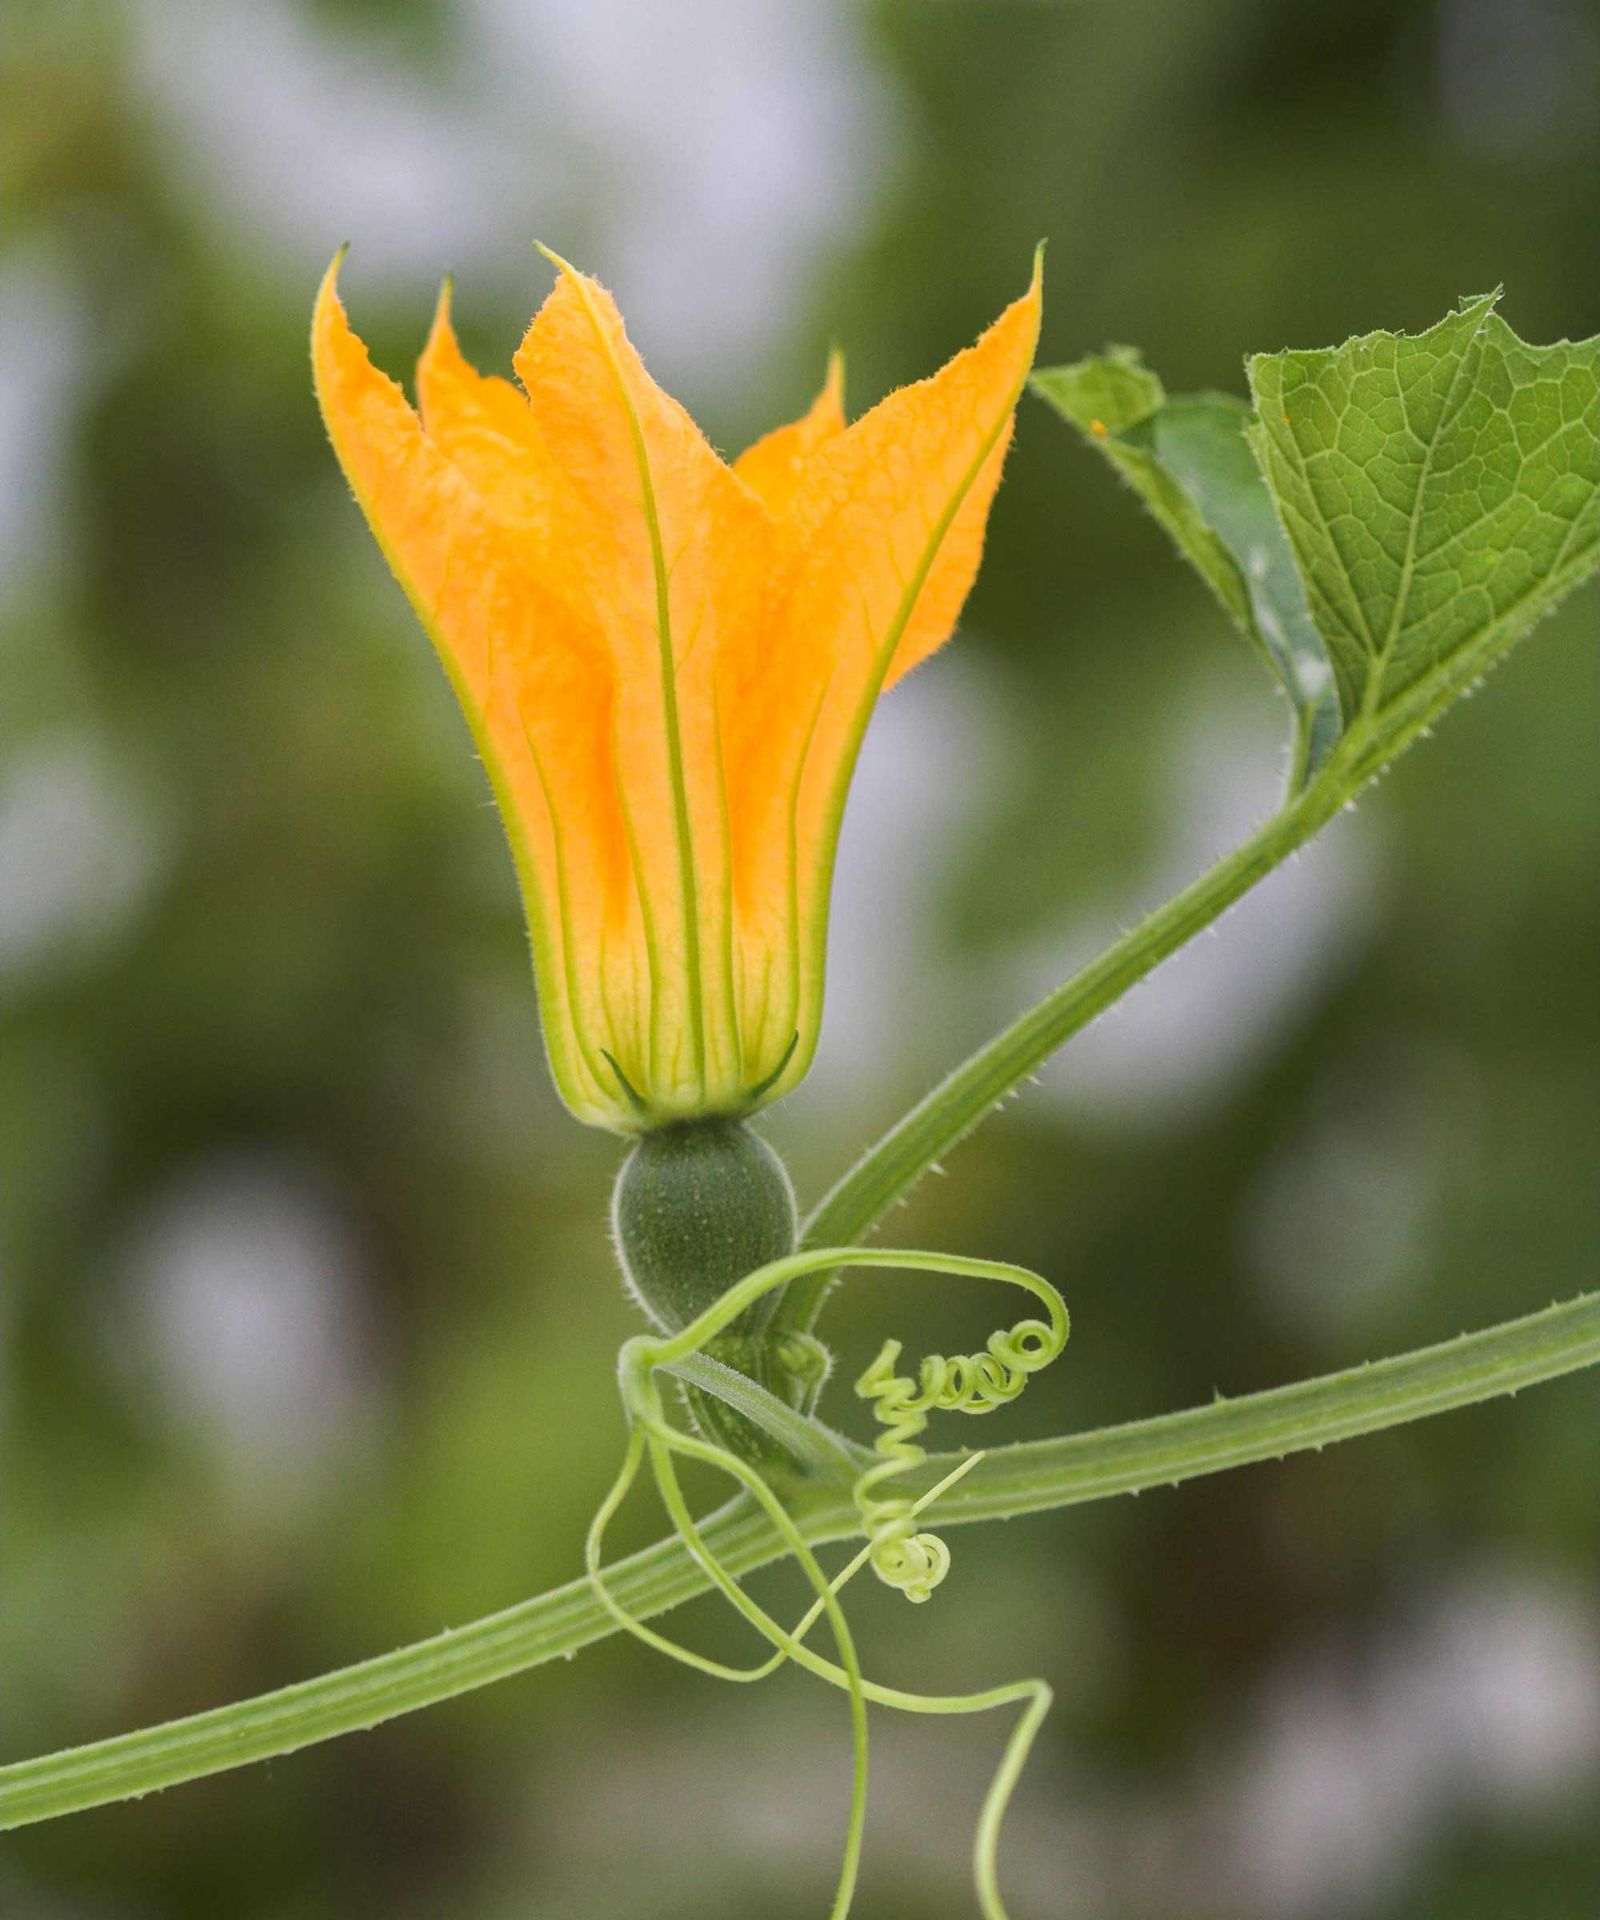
<point>1189,461</point>
<point>1441,492</point>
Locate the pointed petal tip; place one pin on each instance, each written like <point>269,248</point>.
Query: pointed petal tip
<point>441,329</point>
<point>556,260</point>
<point>327,287</point>
<point>328,317</point>
<point>1033,298</point>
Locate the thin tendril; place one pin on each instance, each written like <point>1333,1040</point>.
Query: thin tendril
<point>914,1562</point>
<point>652,1432</point>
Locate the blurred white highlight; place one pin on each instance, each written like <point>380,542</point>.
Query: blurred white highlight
<point>248,1285</point>
<point>702,154</point>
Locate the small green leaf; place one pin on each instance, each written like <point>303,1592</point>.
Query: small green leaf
<point>1441,492</point>
<point>1189,461</point>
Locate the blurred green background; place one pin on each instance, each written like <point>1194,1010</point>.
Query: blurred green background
<point>312,1315</point>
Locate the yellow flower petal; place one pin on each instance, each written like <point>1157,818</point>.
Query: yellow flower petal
<point>773,465</point>
<point>882,541</point>
<point>532,679</point>
<point>482,424</point>
<point>669,663</point>
<point>672,563</point>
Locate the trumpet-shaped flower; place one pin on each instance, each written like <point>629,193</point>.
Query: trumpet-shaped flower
<point>668,662</point>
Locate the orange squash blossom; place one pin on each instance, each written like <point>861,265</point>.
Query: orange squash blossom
<point>668,662</point>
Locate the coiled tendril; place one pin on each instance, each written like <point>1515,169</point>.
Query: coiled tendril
<point>974,1383</point>
<point>912,1561</point>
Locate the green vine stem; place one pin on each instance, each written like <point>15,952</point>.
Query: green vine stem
<point>1025,1478</point>
<point>944,1117</point>
<point>888,1170</point>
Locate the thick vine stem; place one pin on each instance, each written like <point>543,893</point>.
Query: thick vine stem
<point>893,1165</point>
<point>1027,1478</point>
<point>944,1117</point>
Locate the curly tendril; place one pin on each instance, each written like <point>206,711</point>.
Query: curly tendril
<point>900,1556</point>
<point>912,1561</point>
